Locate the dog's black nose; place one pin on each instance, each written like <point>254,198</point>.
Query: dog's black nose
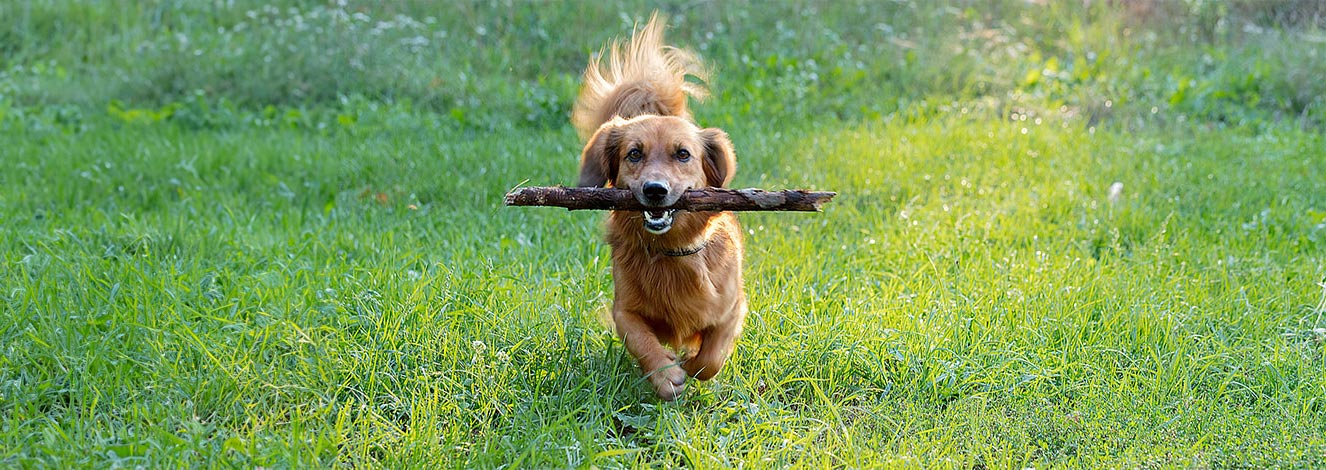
<point>655,191</point>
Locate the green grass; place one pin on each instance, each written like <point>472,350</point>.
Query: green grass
<point>201,265</point>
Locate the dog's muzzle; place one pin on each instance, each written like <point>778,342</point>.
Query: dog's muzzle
<point>655,193</point>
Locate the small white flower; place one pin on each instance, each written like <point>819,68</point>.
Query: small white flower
<point>1116,191</point>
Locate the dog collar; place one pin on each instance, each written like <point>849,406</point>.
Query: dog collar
<point>687,251</point>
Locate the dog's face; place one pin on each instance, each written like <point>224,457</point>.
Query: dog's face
<point>658,158</point>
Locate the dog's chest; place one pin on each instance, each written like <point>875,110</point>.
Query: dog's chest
<point>679,292</point>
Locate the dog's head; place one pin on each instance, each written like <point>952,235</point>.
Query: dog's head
<point>658,158</point>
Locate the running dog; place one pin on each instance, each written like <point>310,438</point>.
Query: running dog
<point>677,274</point>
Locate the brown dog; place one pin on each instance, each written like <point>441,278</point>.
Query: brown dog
<point>677,274</point>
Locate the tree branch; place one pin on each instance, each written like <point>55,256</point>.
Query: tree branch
<point>708,199</point>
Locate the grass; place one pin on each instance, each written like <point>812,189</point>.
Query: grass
<point>204,267</point>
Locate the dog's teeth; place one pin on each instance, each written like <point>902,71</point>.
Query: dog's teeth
<point>658,222</point>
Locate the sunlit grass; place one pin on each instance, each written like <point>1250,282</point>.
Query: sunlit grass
<point>971,295</point>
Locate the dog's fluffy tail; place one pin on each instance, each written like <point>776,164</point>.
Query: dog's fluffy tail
<point>642,76</point>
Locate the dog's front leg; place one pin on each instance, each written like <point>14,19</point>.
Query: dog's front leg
<point>656,362</point>
<point>716,345</point>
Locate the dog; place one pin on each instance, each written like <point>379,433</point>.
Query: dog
<point>677,274</point>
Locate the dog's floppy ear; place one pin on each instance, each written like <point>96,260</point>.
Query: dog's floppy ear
<point>720,161</point>
<point>599,160</point>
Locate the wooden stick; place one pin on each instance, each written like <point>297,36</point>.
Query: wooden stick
<point>708,199</point>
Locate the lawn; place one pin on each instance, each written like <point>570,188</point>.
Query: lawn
<point>242,234</point>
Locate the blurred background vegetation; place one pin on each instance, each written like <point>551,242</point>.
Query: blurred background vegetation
<point>500,65</point>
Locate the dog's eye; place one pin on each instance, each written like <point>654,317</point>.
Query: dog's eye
<point>683,155</point>
<point>634,155</point>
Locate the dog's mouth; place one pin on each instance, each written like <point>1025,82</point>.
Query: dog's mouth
<point>658,221</point>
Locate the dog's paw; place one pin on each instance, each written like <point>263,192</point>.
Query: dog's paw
<point>669,382</point>
<point>702,368</point>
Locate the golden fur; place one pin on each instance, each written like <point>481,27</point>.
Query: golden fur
<point>633,111</point>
